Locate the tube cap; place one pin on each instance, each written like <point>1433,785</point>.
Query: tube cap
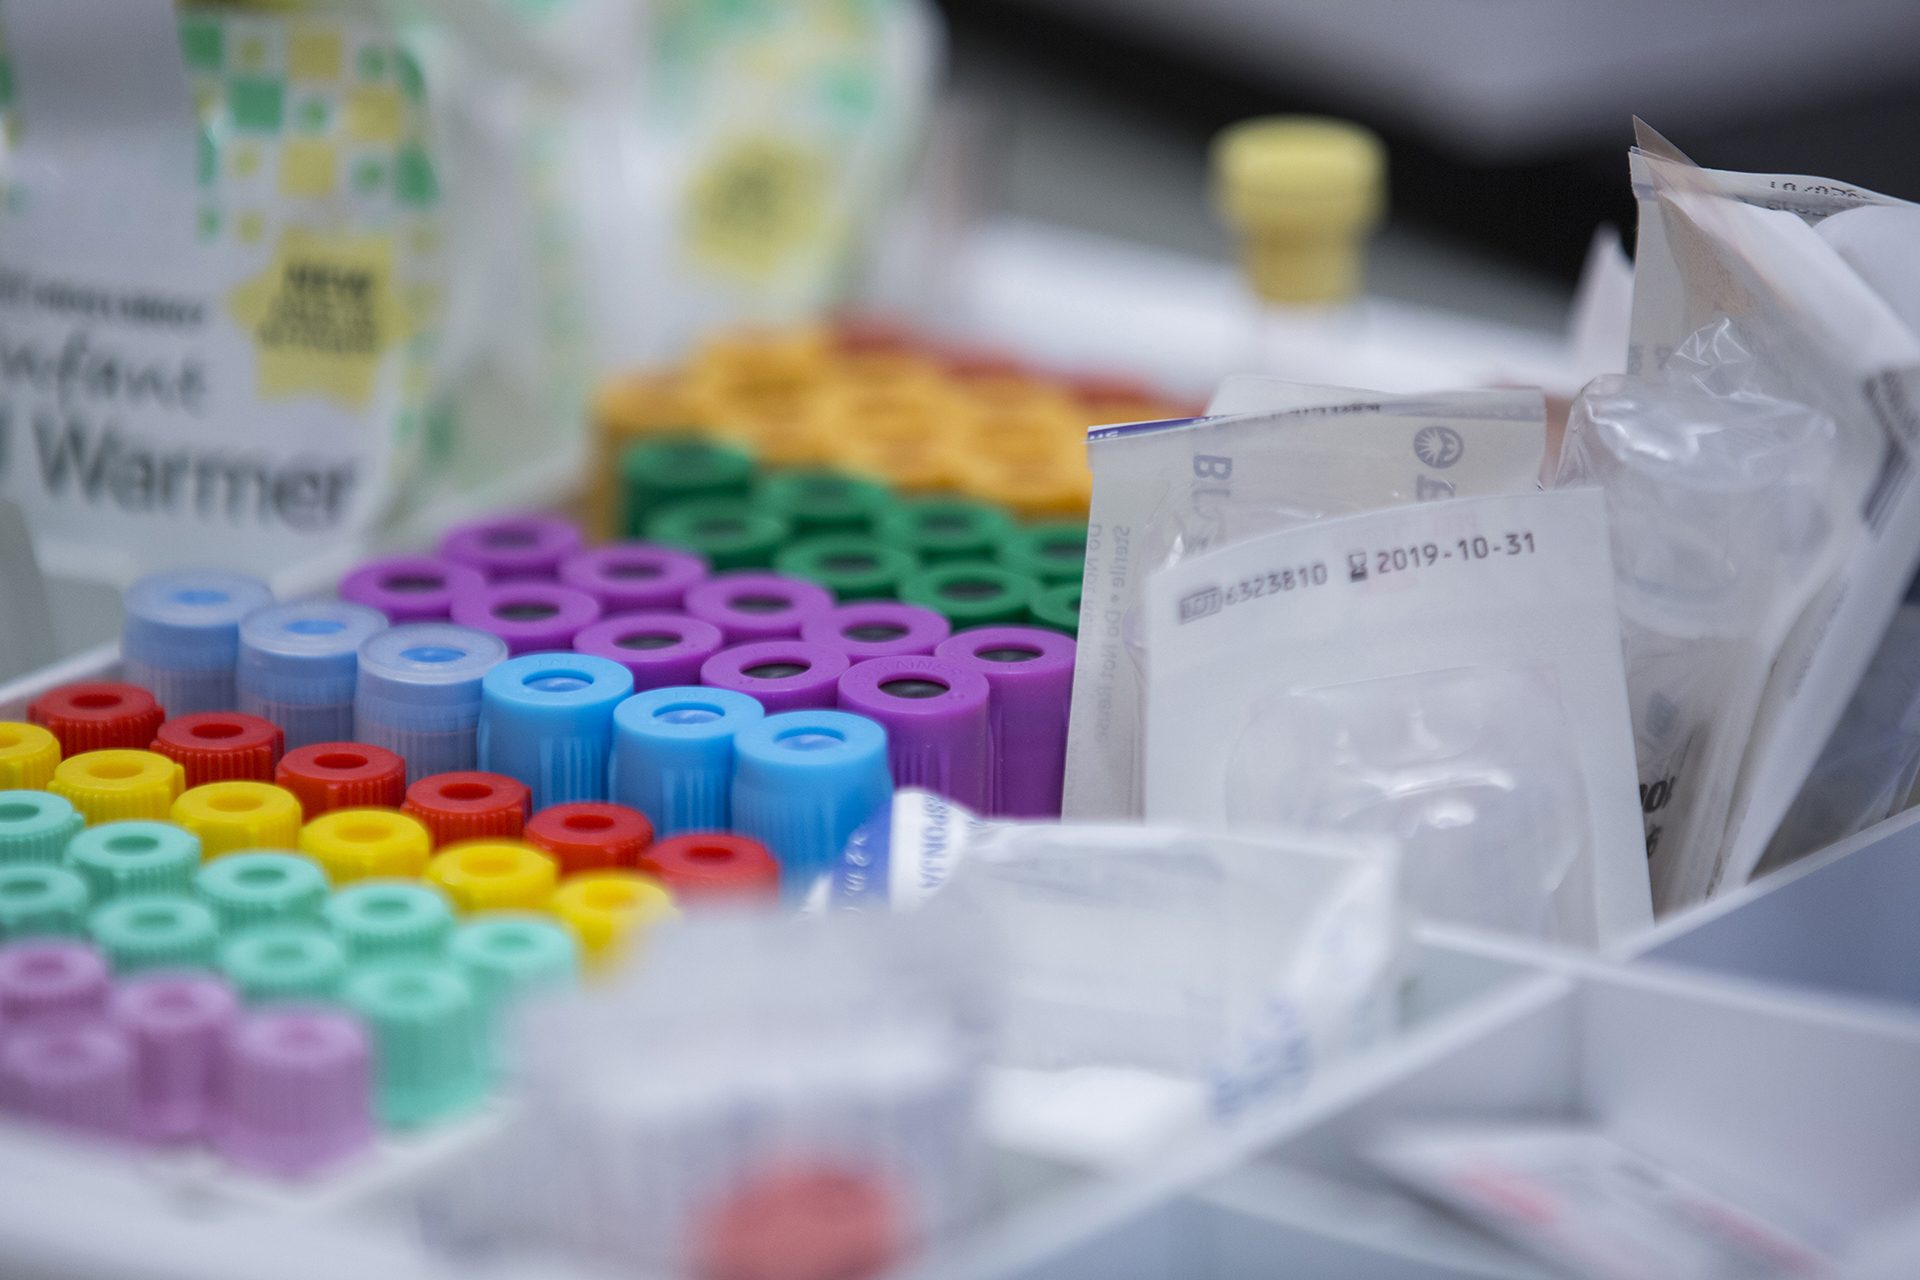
<point>109,786</point>
<point>663,472</point>
<point>512,548</point>
<point>730,532</point>
<point>343,775</point>
<point>782,675</point>
<point>1051,552</point>
<point>298,960</point>
<point>804,780</point>
<point>469,806</point>
<point>1303,192</point>
<point>299,663</point>
<point>937,720</point>
<point>942,529</point>
<point>529,617</point>
<point>428,1035</point>
<point>298,1086</point>
<point>590,837</point>
<point>800,1220</point>
<point>28,754</point>
<point>419,694</point>
<point>221,746</point>
<point>1030,674</point>
<point>757,606</point>
<point>972,595</point>
<point>410,588</point>
<point>627,577</point>
<point>367,844</point>
<point>98,716</point>
<point>233,816</point>
<point>177,1024</point>
<point>660,649</point>
<point>823,500</point>
<point>77,1076</point>
<point>609,910</point>
<point>156,931</point>
<point>261,888</point>
<point>51,980</point>
<point>673,755</point>
<point>494,875</point>
<point>506,954</point>
<point>182,636</point>
<point>1057,609</point>
<point>704,867</point>
<point>35,826</point>
<point>121,858</point>
<point>878,629</point>
<point>37,900</point>
<point>547,719</point>
<point>389,918</point>
<point>851,566</point>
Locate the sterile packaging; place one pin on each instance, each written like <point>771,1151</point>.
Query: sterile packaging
<point>1242,963</point>
<point>1818,282</point>
<point>775,1085</point>
<point>1444,675</point>
<point>1272,455</point>
<point>220,278</point>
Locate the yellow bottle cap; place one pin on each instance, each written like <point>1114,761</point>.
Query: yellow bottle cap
<point>774,425</point>
<point>231,817</point>
<point>756,362</point>
<point>609,910</point>
<point>367,844</point>
<point>1303,192</point>
<point>28,754</point>
<point>118,786</point>
<point>492,875</point>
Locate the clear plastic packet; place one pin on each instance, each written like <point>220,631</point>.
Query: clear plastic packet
<point>1244,963</point>
<point>1271,456</point>
<point>1446,675</point>
<point>761,1088</point>
<point>220,279</point>
<point>1819,307</point>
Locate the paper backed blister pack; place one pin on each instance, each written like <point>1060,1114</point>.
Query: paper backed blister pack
<point>1272,455</point>
<point>1816,277</point>
<point>1446,675</point>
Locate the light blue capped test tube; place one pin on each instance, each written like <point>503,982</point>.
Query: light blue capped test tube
<point>181,638</point>
<point>298,666</point>
<point>803,783</point>
<point>418,694</point>
<point>547,719</point>
<point>673,755</point>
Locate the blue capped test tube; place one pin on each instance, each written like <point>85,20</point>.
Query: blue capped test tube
<point>181,638</point>
<point>673,755</point>
<point>299,663</point>
<point>547,719</point>
<point>418,694</point>
<point>803,783</point>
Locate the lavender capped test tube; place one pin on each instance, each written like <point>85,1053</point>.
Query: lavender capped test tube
<point>1030,674</point>
<point>785,675</point>
<point>630,577</point>
<point>411,588</point>
<point>661,649</point>
<point>177,1024</point>
<point>72,1075</point>
<point>512,548</point>
<point>757,606</point>
<point>936,716</point>
<point>298,1089</point>
<point>529,617</point>
<point>51,980</point>
<point>878,629</point>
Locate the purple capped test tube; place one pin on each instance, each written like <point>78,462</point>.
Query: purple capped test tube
<point>785,675</point>
<point>177,1024</point>
<point>530,617</point>
<point>757,606</point>
<point>661,649</point>
<point>1030,674</point>
<point>51,980</point>
<point>935,713</point>
<point>627,577</point>
<point>298,1090</point>
<point>512,548</point>
<point>877,629</point>
<point>410,588</point>
<point>76,1075</point>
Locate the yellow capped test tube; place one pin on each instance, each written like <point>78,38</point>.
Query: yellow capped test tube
<point>609,910</point>
<point>494,875</point>
<point>119,786</point>
<point>28,754</point>
<point>367,844</point>
<point>230,817</point>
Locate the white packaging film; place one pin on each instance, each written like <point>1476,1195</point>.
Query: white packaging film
<point>1446,675</point>
<point>1815,278</point>
<point>1274,456</point>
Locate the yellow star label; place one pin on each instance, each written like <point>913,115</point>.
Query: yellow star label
<point>323,316</point>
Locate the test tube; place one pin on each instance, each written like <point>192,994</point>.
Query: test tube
<point>28,754</point>
<point>1051,552</point>
<point>822,500</point>
<point>661,473</point>
<point>410,588</point>
<point>938,530</point>
<point>936,713</point>
<point>1030,675</point>
<point>367,844</point>
<point>708,867</point>
<point>629,577</point>
<point>660,649</point>
<point>343,775</point>
<point>98,716</point>
<point>250,889</point>
<point>115,786</point>
<point>298,1091</point>
<point>181,639</point>
<point>529,617</point>
<point>972,595</point>
<point>782,675</point>
<point>590,837</point>
<point>36,826</point>
<point>298,960</point>
<point>299,663</point>
<point>608,910</point>
<point>803,782</point>
<point>428,1033</point>
<point>731,533</point>
<point>221,746</point>
<point>152,931</point>
<point>757,606</point>
<point>233,816</point>
<point>852,566</point>
<point>419,694</point>
<point>52,979</point>
<point>118,859</point>
<point>382,919</point>
<point>494,875</point>
<point>877,629</point>
<point>1057,608</point>
<point>547,719</point>
<point>77,1076</point>
<point>469,806</point>
<point>176,1024</point>
<point>673,755</point>
<point>512,548</point>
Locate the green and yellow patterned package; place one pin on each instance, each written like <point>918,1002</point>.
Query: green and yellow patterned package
<point>219,277</point>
